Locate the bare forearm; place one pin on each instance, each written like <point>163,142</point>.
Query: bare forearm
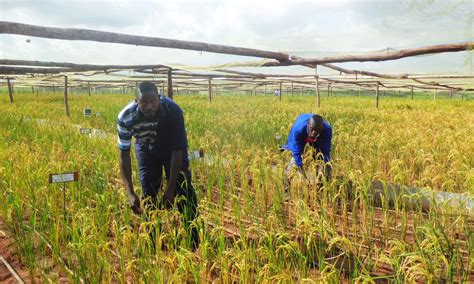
<point>175,168</point>
<point>126,171</point>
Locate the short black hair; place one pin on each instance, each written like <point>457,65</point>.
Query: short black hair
<point>146,87</point>
<point>318,122</point>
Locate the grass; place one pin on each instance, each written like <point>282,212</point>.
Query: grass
<point>251,233</point>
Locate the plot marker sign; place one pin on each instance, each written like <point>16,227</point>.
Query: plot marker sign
<point>64,177</point>
<point>85,130</point>
<point>196,154</point>
<point>87,112</point>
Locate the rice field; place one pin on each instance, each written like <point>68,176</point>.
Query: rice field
<point>250,230</point>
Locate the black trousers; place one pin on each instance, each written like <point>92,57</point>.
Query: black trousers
<point>151,166</point>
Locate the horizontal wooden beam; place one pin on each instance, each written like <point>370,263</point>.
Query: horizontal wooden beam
<point>442,48</point>
<point>365,73</point>
<point>75,66</point>
<point>110,37</point>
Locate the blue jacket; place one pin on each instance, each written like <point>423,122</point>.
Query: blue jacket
<point>299,134</point>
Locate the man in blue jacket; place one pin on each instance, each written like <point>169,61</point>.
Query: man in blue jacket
<point>310,129</point>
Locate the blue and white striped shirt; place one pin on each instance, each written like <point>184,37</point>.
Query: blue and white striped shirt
<point>163,134</point>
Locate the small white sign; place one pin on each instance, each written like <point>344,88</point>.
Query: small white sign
<point>85,130</point>
<point>64,177</point>
<point>196,154</point>
<point>277,137</point>
<point>87,112</point>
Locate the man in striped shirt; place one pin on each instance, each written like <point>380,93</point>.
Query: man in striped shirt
<point>157,123</point>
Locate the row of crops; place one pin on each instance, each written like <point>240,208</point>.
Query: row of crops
<point>250,229</point>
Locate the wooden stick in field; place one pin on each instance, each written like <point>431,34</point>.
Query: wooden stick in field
<point>66,99</point>
<point>170,84</point>
<point>377,95</point>
<point>10,90</point>
<point>318,96</point>
<point>210,89</point>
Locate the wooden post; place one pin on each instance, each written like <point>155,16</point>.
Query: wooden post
<point>359,90</point>
<point>329,87</point>
<point>412,92</point>
<point>66,100</point>
<point>291,88</point>
<point>177,90</point>
<point>210,89</point>
<point>170,84</point>
<point>377,96</point>
<point>280,91</point>
<point>54,89</point>
<point>318,96</point>
<point>331,91</point>
<point>10,90</point>
<point>399,93</point>
<point>163,89</point>
<point>89,87</point>
<point>265,90</point>
<point>434,95</point>
<point>450,93</point>
<point>32,90</point>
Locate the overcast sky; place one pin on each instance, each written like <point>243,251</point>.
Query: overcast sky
<point>304,28</point>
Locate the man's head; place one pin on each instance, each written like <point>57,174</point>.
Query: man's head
<point>148,99</point>
<point>315,126</point>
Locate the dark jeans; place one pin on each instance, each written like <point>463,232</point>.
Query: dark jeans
<point>150,166</point>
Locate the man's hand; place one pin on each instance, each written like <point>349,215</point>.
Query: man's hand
<point>135,203</point>
<point>301,171</point>
<point>126,171</point>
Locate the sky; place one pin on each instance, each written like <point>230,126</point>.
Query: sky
<point>303,28</point>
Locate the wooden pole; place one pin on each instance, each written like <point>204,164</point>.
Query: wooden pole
<point>329,87</point>
<point>170,84</point>
<point>32,90</point>
<point>54,89</point>
<point>177,90</point>
<point>10,90</point>
<point>412,92</point>
<point>331,91</point>
<point>89,87</point>
<point>434,95</point>
<point>318,96</point>
<point>377,96</point>
<point>265,90</point>
<point>101,36</point>
<point>163,89</point>
<point>280,91</point>
<point>450,93</point>
<point>291,88</point>
<point>210,89</point>
<point>66,99</point>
